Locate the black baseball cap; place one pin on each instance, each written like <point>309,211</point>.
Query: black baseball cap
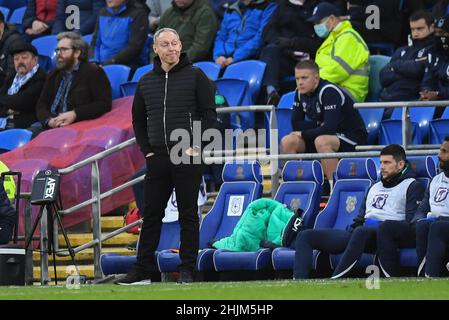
<point>323,10</point>
<point>22,46</point>
<point>443,23</point>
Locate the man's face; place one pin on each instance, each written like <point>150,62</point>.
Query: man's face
<point>24,62</point>
<point>306,80</point>
<point>389,167</point>
<point>66,55</point>
<point>443,156</point>
<point>183,3</point>
<point>420,30</point>
<point>168,47</point>
<point>114,3</point>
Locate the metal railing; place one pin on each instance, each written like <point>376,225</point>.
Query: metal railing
<point>273,157</point>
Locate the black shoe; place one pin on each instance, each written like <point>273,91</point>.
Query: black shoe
<point>135,277</point>
<point>273,99</point>
<point>185,276</point>
<point>132,246</point>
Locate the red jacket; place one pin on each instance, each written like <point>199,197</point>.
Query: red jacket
<point>46,10</point>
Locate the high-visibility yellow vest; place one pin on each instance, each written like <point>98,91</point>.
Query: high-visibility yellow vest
<point>9,183</point>
<point>343,60</point>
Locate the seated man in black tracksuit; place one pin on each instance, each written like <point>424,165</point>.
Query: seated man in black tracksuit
<point>7,216</point>
<point>394,198</point>
<point>435,84</point>
<point>401,77</point>
<point>334,124</point>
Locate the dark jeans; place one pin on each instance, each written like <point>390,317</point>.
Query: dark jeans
<point>161,177</point>
<point>6,231</point>
<point>326,240</point>
<point>391,237</point>
<point>279,65</point>
<point>432,241</point>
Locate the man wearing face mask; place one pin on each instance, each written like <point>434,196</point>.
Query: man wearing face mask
<point>435,84</point>
<point>343,56</point>
<point>402,76</point>
<point>432,232</point>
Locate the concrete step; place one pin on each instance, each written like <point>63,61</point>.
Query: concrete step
<point>63,272</point>
<point>111,223</point>
<point>85,256</point>
<point>81,238</point>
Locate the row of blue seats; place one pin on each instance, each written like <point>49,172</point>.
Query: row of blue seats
<point>302,183</point>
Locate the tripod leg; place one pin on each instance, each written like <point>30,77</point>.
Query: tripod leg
<point>67,241</point>
<point>33,229</point>
<point>51,238</point>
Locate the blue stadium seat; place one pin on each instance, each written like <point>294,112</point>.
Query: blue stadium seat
<point>242,184</point>
<point>13,138</point>
<point>391,132</point>
<point>372,118</point>
<point>17,17</point>
<point>237,93</point>
<point>5,12</point>
<point>46,46</point>
<point>111,263</point>
<point>439,128</point>
<point>128,88</point>
<point>353,178</point>
<point>287,100</point>
<point>88,38</point>
<point>211,69</point>
<point>248,70</point>
<point>284,119</point>
<point>301,188</point>
<point>376,62</point>
<point>117,74</point>
<point>387,48</point>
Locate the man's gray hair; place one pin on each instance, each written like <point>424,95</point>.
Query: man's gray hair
<point>77,43</point>
<point>158,33</point>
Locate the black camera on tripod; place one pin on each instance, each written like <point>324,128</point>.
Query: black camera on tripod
<point>46,187</point>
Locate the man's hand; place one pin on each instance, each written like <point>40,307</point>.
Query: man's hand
<point>428,95</point>
<point>221,60</point>
<point>39,27</point>
<point>228,61</point>
<point>66,118</point>
<point>52,123</point>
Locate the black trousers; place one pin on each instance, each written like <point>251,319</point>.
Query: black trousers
<point>161,177</point>
<point>391,237</point>
<point>279,65</point>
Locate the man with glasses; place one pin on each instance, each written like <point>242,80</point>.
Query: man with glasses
<point>77,90</point>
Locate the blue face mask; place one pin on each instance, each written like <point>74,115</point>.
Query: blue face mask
<point>321,30</point>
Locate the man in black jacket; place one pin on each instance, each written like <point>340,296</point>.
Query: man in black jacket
<point>20,92</point>
<point>173,96</point>
<point>402,76</point>
<point>8,37</point>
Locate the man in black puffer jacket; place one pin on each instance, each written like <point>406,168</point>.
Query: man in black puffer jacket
<point>173,96</point>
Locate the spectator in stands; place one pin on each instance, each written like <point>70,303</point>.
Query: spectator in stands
<point>389,29</point>
<point>121,33</point>
<point>435,84</point>
<point>188,91</point>
<point>240,34</point>
<point>196,24</point>
<point>157,8</point>
<point>20,92</point>
<point>39,18</point>
<point>77,90</point>
<point>88,14</point>
<point>7,216</point>
<point>395,197</point>
<point>343,56</point>
<point>402,76</point>
<point>8,38</point>
<point>288,39</point>
<point>432,232</point>
<point>334,124</point>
